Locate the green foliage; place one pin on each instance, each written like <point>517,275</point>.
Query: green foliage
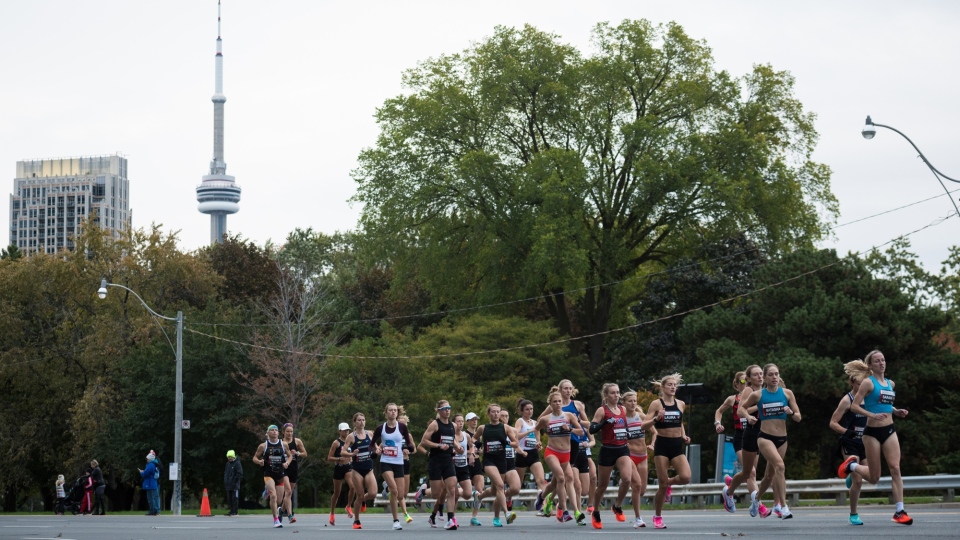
<point>522,167</point>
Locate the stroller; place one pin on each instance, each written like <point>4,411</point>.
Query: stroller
<point>74,498</point>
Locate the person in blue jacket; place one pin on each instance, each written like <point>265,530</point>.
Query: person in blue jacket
<point>150,475</point>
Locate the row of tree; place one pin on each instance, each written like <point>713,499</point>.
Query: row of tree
<point>531,213</point>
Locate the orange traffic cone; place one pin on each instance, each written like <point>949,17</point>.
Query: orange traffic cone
<point>205,506</point>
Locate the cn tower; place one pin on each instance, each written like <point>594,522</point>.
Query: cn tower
<point>218,194</point>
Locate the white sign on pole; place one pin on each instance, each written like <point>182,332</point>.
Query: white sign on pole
<point>185,424</point>
<point>174,471</point>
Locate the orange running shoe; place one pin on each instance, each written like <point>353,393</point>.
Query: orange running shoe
<point>356,525</point>
<point>902,518</point>
<point>363,507</point>
<point>618,513</point>
<point>349,512</point>
<point>844,469</point>
<point>595,520</point>
<point>333,520</point>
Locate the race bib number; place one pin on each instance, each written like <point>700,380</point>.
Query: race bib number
<point>773,409</point>
<point>671,417</point>
<point>887,397</point>
<point>620,434</point>
<point>494,447</point>
<point>391,451</point>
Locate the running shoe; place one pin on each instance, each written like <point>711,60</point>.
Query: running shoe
<point>728,503</point>
<point>566,516</point>
<point>902,518</point>
<point>590,509</point>
<point>474,522</point>
<point>280,512</point>
<point>418,498</point>
<point>581,518</point>
<point>350,512</point>
<point>496,522</point>
<point>333,520</point>
<point>363,507</point>
<point>849,481</point>
<point>292,519</point>
<point>560,516</point>
<point>511,517</point>
<point>778,510</point>
<point>386,490</point>
<point>669,493</point>
<point>539,504</point>
<point>855,519</point>
<point>433,521</point>
<point>548,507</point>
<point>397,526</point>
<point>764,511</point>
<point>356,525</point>
<point>844,469</point>
<point>407,518</point>
<point>727,479</point>
<point>639,523</point>
<point>785,512</point>
<point>595,520</point>
<point>618,514</point>
<point>754,507</point>
<point>265,494</point>
<point>476,499</point>
<point>277,524</point>
<point>658,523</point>
<point>451,525</point>
<point>509,505</point>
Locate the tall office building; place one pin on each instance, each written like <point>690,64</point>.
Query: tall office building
<point>51,197</point>
<point>218,194</point>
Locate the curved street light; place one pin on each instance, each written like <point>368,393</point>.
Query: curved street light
<point>870,129</point>
<point>177,483</point>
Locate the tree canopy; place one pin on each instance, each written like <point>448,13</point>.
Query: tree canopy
<point>522,166</point>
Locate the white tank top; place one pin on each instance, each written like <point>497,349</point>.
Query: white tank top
<point>530,440</point>
<point>391,445</point>
<point>460,460</point>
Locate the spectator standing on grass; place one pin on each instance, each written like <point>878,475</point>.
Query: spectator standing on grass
<point>232,476</point>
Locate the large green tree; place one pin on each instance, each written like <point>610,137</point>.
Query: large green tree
<point>523,167</point>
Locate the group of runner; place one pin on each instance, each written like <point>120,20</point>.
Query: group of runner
<point>863,418</point>
<point>461,452</point>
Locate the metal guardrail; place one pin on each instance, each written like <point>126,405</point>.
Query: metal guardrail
<point>699,493</point>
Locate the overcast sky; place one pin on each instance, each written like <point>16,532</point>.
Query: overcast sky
<point>303,79</point>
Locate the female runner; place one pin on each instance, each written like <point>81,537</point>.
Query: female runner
<point>389,438</point>
<point>559,424</point>
<point>360,478</point>
<point>476,466</point>
<point>666,415</point>
<point>461,460</point>
<point>511,479</point>
<point>637,443</point>
<point>749,453</point>
<point>299,452</point>
<point>610,421</point>
<point>340,468</point>
<point>875,401</point>
<point>774,405</point>
<point>439,439</point>
<point>850,426</point>
<point>403,485</point>
<point>579,455</point>
<point>530,442</point>
<point>496,437</point>
<point>739,383</point>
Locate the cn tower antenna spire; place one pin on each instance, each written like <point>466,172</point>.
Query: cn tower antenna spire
<point>218,195</point>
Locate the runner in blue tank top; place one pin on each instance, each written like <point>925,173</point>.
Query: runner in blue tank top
<point>774,405</point>
<point>875,401</point>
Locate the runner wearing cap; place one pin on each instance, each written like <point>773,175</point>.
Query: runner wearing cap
<point>340,467</point>
<point>274,457</point>
<point>476,465</point>
<point>439,439</point>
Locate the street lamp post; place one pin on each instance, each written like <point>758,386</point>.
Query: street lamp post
<point>178,483</point>
<point>870,129</point>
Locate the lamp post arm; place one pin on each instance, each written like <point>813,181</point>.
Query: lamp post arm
<point>152,312</point>
<point>923,157</point>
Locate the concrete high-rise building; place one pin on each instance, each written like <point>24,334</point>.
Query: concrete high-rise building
<point>218,194</point>
<point>51,197</point>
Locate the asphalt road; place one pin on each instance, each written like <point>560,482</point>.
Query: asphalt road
<point>930,521</point>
